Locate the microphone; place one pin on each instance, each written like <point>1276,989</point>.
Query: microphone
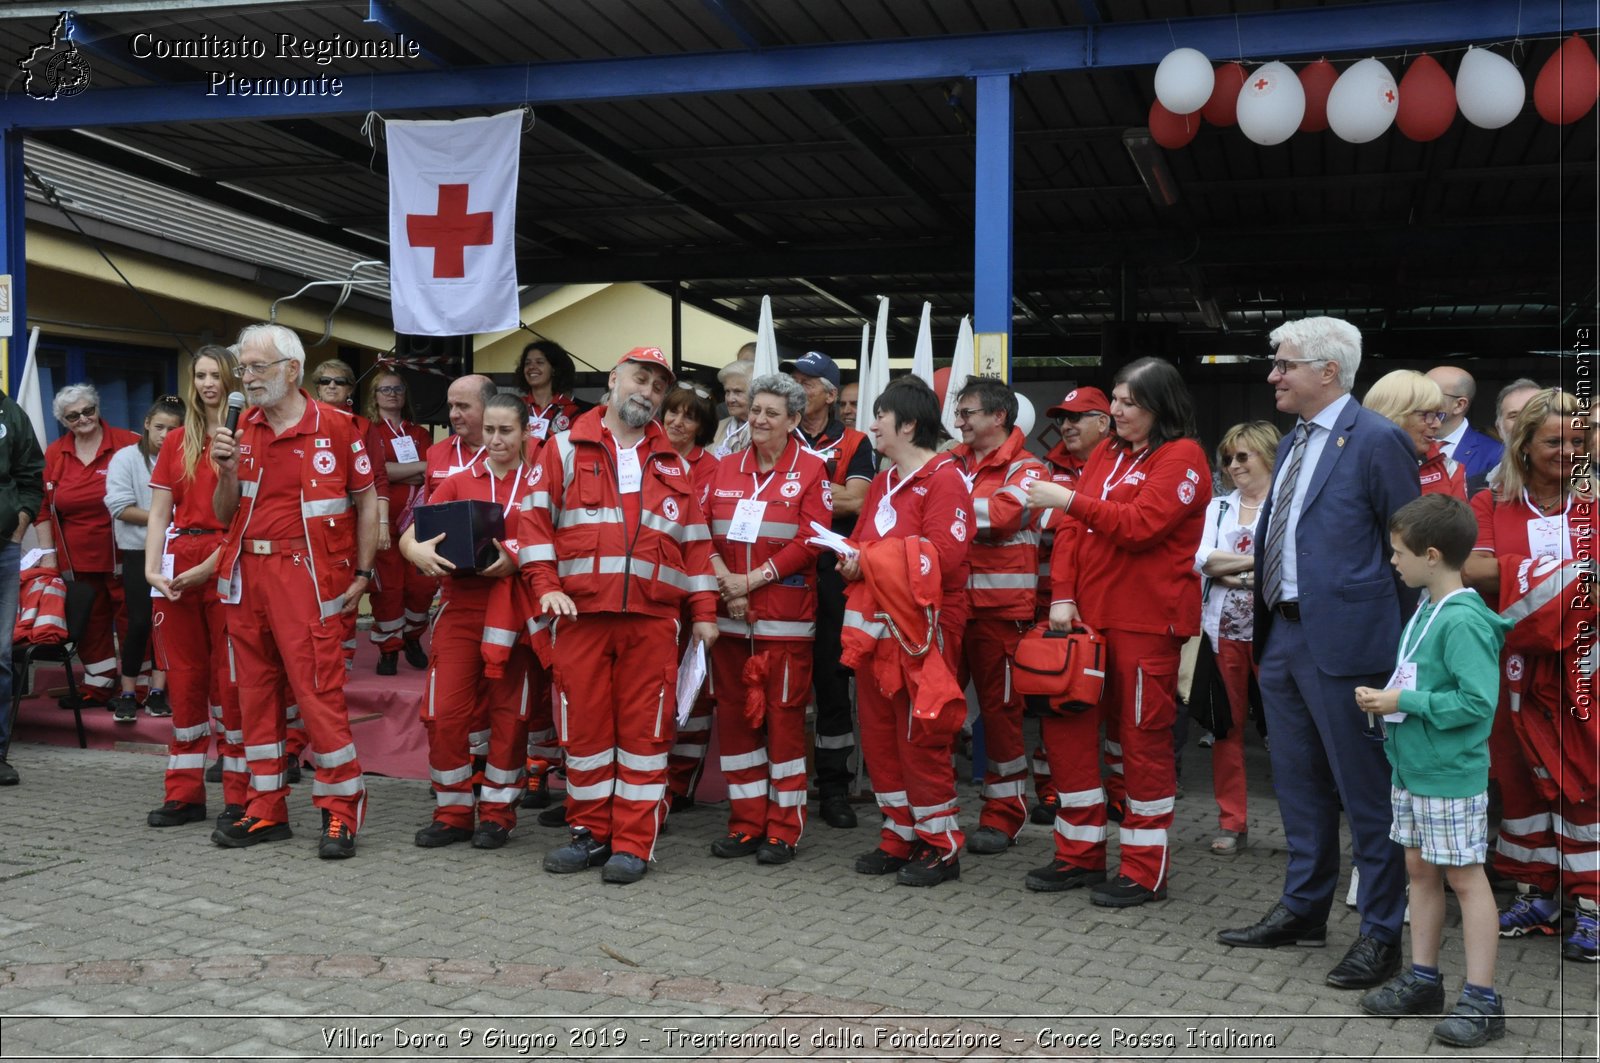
<point>235,407</point>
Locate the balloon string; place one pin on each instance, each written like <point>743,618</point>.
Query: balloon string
<point>1238,38</point>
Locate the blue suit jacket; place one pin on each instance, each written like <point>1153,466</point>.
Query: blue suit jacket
<point>1350,596</point>
<point>1477,453</point>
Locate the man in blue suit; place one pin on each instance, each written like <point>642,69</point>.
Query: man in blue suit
<point>1328,613</point>
<point>1474,451</point>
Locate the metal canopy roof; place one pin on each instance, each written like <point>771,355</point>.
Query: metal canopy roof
<point>1482,242</point>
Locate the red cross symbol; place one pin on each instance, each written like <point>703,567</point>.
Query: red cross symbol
<point>1388,96</point>
<point>451,231</point>
<point>1261,84</point>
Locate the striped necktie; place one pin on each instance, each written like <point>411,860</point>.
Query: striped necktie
<point>1272,581</point>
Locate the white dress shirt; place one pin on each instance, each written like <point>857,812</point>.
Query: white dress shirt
<point>1322,426</point>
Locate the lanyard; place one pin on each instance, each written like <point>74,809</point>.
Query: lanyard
<point>886,499</point>
<point>394,432</point>
<point>1406,656</point>
<point>475,457</point>
<point>755,471</point>
<point>1112,484</point>
<point>516,482</point>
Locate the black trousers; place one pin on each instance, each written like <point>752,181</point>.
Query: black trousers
<point>835,736</point>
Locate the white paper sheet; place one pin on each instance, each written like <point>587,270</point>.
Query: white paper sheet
<point>691,676</point>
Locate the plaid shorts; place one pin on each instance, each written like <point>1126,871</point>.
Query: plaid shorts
<point>1450,831</point>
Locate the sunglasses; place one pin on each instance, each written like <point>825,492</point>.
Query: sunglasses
<point>1074,418</point>
<point>696,388</point>
<point>74,416</point>
<point>1241,456</point>
<point>332,381</point>
<point>389,389</point>
<point>170,400</point>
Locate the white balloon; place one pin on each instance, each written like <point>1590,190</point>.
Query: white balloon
<point>1184,81</point>
<point>1489,89</point>
<point>1271,104</point>
<point>1025,415</point>
<point>1363,102</point>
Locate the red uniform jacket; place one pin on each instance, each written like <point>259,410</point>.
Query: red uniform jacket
<point>796,493</point>
<point>41,608</point>
<point>547,420</point>
<point>381,437</point>
<point>933,504</point>
<point>576,535</point>
<point>1127,555</point>
<point>93,526</point>
<point>1439,475</point>
<point>1065,470</point>
<point>1005,548</point>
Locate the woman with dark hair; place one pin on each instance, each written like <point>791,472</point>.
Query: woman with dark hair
<point>1533,560</point>
<point>128,501</point>
<point>1124,565</point>
<point>402,595</point>
<point>74,530</point>
<point>921,500</point>
<point>191,637</point>
<point>760,514</point>
<point>689,416</point>
<point>545,376</point>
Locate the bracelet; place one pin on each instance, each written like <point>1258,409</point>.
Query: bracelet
<point>366,574</point>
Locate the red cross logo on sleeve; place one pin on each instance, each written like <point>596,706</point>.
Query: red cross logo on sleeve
<point>451,231</point>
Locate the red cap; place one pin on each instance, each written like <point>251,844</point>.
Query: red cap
<point>650,356</point>
<point>1081,400</point>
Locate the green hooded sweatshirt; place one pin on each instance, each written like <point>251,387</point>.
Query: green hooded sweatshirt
<point>1441,748</point>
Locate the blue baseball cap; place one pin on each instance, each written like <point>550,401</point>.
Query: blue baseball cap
<point>814,363</point>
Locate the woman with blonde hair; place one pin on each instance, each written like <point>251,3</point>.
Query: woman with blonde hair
<point>1226,560</point>
<point>190,623</point>
<point>1534,560</point>
<point>1416,404</point>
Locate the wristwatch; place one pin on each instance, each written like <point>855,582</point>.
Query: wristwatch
<point>366,574</point>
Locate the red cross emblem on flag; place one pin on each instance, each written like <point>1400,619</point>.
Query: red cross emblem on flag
<point>450,231</point>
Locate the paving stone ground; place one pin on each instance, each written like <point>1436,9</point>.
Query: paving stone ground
<point>120,942</point>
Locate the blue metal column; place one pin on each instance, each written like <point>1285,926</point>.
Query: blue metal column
<point>992,235</point>
<point>13,248</point>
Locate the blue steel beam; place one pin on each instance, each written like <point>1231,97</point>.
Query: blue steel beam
<point>1358,29</point>
<point>992,220</point>
<point>13,251</point>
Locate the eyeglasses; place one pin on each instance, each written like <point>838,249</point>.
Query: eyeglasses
<point>1430,416</point>
<point>332,381</point>
<point>1241,456</point>
<point>389,389</point>
<point>1283,365</point>
<point>964,414</point>
<point>247,370</point>
<point>696,388</point>
<point>74,416</point>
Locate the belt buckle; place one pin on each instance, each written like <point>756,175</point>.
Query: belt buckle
<point>261,546</point>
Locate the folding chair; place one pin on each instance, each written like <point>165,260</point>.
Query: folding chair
<point>79,607</point>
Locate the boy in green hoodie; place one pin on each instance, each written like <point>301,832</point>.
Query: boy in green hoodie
<point>1439,706</point>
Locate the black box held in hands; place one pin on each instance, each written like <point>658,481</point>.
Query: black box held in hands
<point>470,528</point>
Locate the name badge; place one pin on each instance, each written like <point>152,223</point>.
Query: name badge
<point>167,573</point>
<point>746,524</point>
<point>628,471</point>
<point>405,448</point>
<point>538,427</point>
<point>235,587</point>
<point>884,520</point>
<point>1547,537</point>
<point>1404,678</point>
<point>457,468</point>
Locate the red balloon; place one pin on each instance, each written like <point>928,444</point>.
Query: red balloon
<point>1427,100</point>
<point>941,384</point>
<point>1172,130</point>
<point>1222,109</point>
<point>1317,79</point>
<point>1568,84</point>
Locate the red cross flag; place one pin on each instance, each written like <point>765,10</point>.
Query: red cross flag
<point>452,220</point>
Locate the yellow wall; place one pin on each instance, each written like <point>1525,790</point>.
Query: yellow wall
<point>598,323</point>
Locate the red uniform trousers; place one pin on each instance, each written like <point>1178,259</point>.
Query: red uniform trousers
<point>687,758</point>
<point>544,750</point>
<point>915,785</point>
<point>765,766</point>
<point>1235,664</point>
<point>461,704</point>
<point>616,677</point>
<point>1526,848</point>
<point>1141,691</point>
<point>97,651</point>
<point>190,643</point>
<point>400,601</point>
<point>987,653</point>
<point>1111,747</point>
<point>277,635</point>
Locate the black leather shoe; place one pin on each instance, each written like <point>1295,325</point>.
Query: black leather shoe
<point>1406,994</point>
<point>537,794</point>
<point>579,854</point>
<point>416,656</point>
<point>292,772</point>
<point>1061,875</point>
<point>775,851</point>
<point>879,862</point>
<point>735,845</point>
<point>1280,927</point>
<point>1369,963</point>
<point>439,834</point>
<point>986,841</point>
<point>1044,813</point>
<point>214,773</point>
<point>554,816</point>
<point>175,814</point>
<point>8,774</point>
<point>836,812</point>
<point>929,868</point>
<point>623,869</point>
<point>490,836</point>
<point>1124,892</point>
<point>388,664</point>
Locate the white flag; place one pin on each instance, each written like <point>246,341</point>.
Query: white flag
<point>452,223</point>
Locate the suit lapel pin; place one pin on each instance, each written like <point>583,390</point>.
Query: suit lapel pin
<point>1339,442</point>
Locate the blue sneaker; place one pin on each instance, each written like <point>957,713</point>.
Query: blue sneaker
<point>1584,944</point>
<point>1474,1022</point>
<point>1531,913</point>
